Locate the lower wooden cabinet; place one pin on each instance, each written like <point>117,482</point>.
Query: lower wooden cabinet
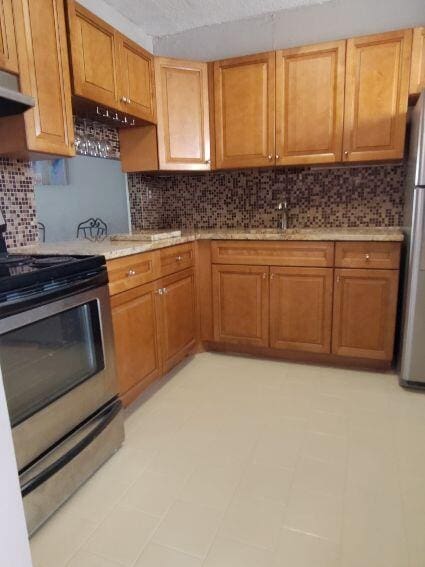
<point>241,304</point>
<point>301,309</point>
<point>154,329</point>
<point>135,315</point>
<point>178,313</point>
<point>364,314</point>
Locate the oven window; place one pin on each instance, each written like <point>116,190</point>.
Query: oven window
<point>43,360</point>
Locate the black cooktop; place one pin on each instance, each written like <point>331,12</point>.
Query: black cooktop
<point>18,271</point>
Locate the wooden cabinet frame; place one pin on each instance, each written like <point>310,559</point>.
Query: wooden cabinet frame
<point>8,51</point>
<point>296,122</point>
<point>266,156</point>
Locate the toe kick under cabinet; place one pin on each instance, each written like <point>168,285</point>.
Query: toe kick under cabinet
<point>153,299</point>
<point>312,300</point>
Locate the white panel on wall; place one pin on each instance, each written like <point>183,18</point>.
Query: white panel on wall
<point>97,188</point>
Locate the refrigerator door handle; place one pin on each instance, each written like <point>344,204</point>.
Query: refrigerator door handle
<point>94,426</point>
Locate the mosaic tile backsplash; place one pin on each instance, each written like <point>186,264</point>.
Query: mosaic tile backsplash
<point>17,202</point>
<point>358,196</point>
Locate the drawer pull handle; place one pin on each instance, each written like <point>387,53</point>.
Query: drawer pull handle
<point>367,256</point>
<point>131,273</point>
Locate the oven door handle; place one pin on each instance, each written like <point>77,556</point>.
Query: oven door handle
<point>105,418</point>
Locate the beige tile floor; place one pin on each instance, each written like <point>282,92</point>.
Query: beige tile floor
<point>236,462</point>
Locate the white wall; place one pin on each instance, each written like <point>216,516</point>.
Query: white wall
<point>114,18</point>
<point>97,188</point>
<point>337,19</point>
<point>14,546</point>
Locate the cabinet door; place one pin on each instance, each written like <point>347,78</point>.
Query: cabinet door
<point>8,54</point>
<point>417,76</point>
<point>178,314</point>
<point>137,91</point>
<point>44,74</point>
<point>93,54</point>
<point>136,328</point>
<point>241,304</point>
<point>301,308</point>
<point>310,103</point>
<point>244,92</point>
<point>183,116</point>
<point>364,314</point>
<point>376,96</point>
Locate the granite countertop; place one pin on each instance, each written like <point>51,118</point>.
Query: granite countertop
<point>116,249</point>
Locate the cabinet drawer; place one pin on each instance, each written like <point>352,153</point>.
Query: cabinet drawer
<point>377,255</point>
<point>176,258</point>
<point>131,271</point>
<point>293,253</point>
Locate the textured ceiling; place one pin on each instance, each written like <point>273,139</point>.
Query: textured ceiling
<point>166,17</point>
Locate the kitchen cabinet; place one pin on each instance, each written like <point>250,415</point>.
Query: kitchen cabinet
<point>417,75</point>
<point>244,108</point>
<point>183,114</point>
<point>154,314</point>
<point>310,103</point>
<point>376,96</point>
<point>178,317</point>
<point>137,88</point>
<point>364,314</point>
<point>241,304</point>
<point>47,129</point>
<point>136,320</point>
<point>8,52</point>
<point>301,309</point>
<point>93,49</point>
<point>108,68</point>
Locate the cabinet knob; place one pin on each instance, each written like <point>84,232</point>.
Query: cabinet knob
<point>179,258</point>
<point>270,157</point>
<point>277,156</point>
<point>346,153</point>
<point>159,291</point>
<point>272,276</point>
<point>264,276</point>
<point>131,273</point>
<point>123,99</point>
<point>367,257</point>
<point>164,290</point>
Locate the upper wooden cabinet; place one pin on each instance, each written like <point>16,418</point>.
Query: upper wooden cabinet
<point>8,52</point>
<point>244,93</point>
<point>376,96</point>
<point>417,75</point>
<point>93,47</point>
<point>107,67</point>
<point>44,74</point>
<point>137,87</point>
<point>183,115</point>
<point>310,103</point>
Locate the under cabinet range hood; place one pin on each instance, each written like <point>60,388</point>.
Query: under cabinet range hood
<point>12,101</point>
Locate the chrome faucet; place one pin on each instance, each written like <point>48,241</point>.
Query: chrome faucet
<point>283,207</point>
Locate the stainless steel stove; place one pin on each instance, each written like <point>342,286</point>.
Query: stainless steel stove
<point>57,362</point>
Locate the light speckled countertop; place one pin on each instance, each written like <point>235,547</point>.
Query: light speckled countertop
<point>116,249</point>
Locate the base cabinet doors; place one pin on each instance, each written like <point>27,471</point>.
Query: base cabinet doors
<point>301,309</point>
<point>178,315</point>
<point>364,314</point>
<point>135,315</point>
<point>241,304</point>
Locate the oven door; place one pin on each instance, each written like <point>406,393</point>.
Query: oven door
<point>58,368</point>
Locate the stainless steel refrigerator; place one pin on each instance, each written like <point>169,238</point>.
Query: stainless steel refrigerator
<point>412,368</point>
